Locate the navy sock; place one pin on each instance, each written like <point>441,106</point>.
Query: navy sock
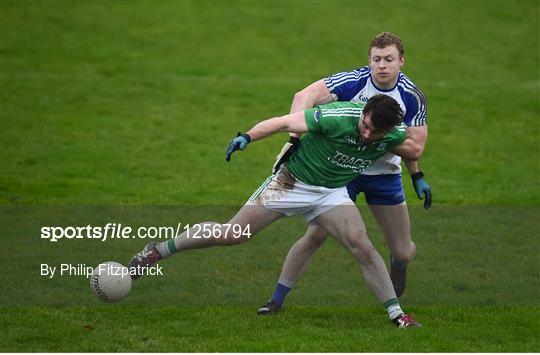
<point>280,293</point>
<point>398,263</point>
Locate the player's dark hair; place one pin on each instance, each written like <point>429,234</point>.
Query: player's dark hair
<point>385,112</point>
<point>386,39</point>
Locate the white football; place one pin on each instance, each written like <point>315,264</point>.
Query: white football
<point>110,281</point>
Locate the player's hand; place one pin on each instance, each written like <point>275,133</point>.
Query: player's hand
<point>285,153</point>
<point>239,143</point>
<point>422,188</point>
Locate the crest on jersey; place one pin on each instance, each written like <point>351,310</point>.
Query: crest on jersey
<point>381,147</point>
<point>317,115</point>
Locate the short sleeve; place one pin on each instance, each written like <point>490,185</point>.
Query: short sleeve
<point>319,120</point>
<point>312,117</point>
<point>345,85</point>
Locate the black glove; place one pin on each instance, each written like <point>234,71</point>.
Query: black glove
<point>288,149</point>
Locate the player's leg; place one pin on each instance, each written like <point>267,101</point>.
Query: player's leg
<point>345,223</point>
<point>395,224</point>
<point>300,255</point>
<point>295,265</point>
<point>246,223</point>
<point>386,199</point>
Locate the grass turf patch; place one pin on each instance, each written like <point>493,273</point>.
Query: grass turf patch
<point>296,329</point>
<point>462,290</point>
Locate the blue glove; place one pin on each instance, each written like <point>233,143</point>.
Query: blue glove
<point>239,143</point>
<point>422,188</point>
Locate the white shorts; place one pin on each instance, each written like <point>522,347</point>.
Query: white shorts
<point>283,193</point>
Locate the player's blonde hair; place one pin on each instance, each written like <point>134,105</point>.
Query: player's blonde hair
<point>386,39</point>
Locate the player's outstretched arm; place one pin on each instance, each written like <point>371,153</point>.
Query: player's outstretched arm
<point>293,122</point>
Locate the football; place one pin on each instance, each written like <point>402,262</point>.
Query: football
<point>110,281</point>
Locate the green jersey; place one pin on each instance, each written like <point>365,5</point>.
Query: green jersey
<point>332,153</point>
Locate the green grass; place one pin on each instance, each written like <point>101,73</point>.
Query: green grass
<point>235,329</point>
<point>115,103</point>
<point>121,112</point>
<point>471,293</point>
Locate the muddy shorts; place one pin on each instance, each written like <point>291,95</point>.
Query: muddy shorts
<point>283,193</point>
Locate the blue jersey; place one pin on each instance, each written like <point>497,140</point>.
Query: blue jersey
<point>357,86</point>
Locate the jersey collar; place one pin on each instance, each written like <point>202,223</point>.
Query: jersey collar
<point>384,90</point>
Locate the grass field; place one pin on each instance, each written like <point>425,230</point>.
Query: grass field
<point>121,112</point>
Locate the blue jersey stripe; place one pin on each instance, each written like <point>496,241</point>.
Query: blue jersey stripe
<point>419,118</point>
<point>345,77</point>
<point>358,77</point>
<point>409,87</point>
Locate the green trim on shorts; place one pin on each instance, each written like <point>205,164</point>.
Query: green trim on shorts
<point>261,188</point>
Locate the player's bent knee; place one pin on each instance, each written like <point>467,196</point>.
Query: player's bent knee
<point>362,248</point>
<point>404,255</point>
<point>315,241</point>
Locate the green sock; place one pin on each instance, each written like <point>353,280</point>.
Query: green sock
<point>166,249</point>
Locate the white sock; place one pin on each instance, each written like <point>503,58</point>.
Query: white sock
<point>163,250</point>
<point>394,311</point>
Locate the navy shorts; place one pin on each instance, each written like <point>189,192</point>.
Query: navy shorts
<point>378,189</point>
